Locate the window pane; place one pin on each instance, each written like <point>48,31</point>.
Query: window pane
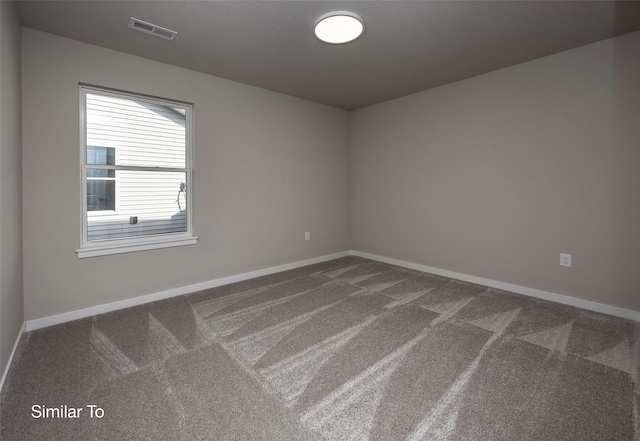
<point>147,134</point>
<point>101,195</point>
<point>101,155</point>
<point>149,203</point>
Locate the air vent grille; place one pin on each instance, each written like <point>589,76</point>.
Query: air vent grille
<point>151,29</point>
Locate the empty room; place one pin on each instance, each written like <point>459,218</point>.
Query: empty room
<point>319,220</point>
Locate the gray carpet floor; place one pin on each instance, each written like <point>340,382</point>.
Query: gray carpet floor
<point>348,349</point>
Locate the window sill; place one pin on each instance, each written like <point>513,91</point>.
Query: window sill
<point>112,247</point>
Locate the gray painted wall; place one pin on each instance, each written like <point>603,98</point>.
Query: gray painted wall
<point>497,175</point>
<point>268,167</point>
<point>11,306</point>
<point>492,176</point>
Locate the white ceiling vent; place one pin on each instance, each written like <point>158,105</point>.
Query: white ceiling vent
<point>151,29</point>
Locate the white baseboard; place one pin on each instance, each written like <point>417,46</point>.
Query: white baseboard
<point>13,353</point>
<point>31,325</point>
<point>135,301</point>
<point>531,292</point>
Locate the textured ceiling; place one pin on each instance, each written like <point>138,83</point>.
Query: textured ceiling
<point>408,46</point>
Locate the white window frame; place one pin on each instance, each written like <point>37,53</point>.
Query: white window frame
<point>94,248</point>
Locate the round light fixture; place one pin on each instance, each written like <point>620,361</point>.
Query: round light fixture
<point>338,27</point>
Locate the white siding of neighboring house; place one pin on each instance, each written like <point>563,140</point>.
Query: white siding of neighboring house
<point>143,134</point>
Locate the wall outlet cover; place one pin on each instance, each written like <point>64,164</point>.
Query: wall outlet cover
<point>565,260</point>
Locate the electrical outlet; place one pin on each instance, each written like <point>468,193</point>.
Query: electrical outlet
<point>307,236</point>
<point>565,259</point>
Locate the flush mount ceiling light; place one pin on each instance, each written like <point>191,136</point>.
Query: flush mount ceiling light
<point>338,27</point>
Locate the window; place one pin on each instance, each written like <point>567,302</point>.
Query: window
<point>136,172</point>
